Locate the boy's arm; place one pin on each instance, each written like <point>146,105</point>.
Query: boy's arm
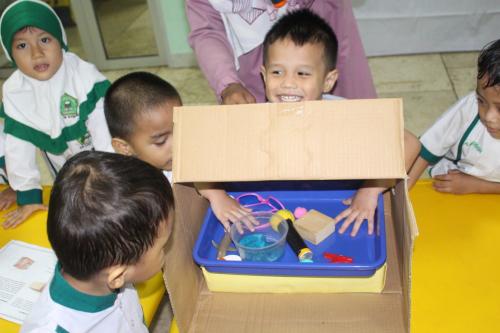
<point>226,209</point>
<point>24,178</point>
<point>416,171</point>
<point>362,206</point>
<point>8,195</point>
<point>98,129</point>
<point>457,182</point>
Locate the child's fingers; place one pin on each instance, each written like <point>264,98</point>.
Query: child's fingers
<point>246,219</point>
<point>371,225</point>
<point>9,215</point>
<point>4,205</point>
<point>357,224</point>
<point>238,227</point>
<point>441,186</point>
<point>226,225</point>
<point>342,215</point>
<point>13,221</point>
<point>19,215</point>
<point>249,224</point>
<point>349,219</point>
<point>246,209</point>
<point>237,218</point>
<point>442,177</point>
<point>250,221</point>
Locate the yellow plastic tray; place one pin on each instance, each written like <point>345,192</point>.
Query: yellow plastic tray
<point>294,284</point>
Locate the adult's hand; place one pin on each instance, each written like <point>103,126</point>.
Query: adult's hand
<point>235,93</point>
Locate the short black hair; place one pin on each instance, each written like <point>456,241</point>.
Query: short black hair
<point>132,95</point>
<point>105,209</point>
<point>488,63</point>
<point>301,27</point>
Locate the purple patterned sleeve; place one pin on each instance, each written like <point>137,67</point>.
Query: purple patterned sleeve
<point>210,44</point>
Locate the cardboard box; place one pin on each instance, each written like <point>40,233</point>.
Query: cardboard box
<point>318,140</point>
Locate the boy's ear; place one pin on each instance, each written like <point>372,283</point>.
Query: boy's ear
<point>263,73</point>
<point>122,147</point>
<point>330,79</point>
<point>116,276</point>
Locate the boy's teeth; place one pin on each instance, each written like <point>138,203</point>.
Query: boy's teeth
<point>289,98</point>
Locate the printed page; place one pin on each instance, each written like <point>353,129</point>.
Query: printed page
<point>25,270</point>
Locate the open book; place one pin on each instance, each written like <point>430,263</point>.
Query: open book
<point>25,270</point>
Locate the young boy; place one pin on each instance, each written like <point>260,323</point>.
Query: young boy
<point>300,52</point>
<point>53,101</point>
<point>139,111</point>
<point>463,145</point>
<point>109,219</point>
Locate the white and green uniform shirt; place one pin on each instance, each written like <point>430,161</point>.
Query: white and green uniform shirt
<point>61,308</point>
<point>459,141</point>
<point>61,116</point>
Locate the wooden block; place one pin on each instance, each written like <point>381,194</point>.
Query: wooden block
<point>315,226</point>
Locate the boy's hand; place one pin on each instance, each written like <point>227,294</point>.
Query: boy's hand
<point>7,198</point>
<point>456,182</point>
<point>361,207</point>
<point>18,216</point>
<point>228,210</point>
<point>235,93</point>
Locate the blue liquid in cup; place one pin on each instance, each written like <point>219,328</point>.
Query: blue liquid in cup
<point>258,241</point>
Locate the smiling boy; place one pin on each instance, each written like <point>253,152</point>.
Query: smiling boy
<point>300,53</point>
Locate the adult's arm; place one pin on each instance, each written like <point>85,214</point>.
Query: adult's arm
<point>355,78</point>
<point>209,41</point>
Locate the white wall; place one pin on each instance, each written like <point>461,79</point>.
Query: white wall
<point>420,26</point>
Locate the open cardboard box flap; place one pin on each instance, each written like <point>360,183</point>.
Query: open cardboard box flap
<point>350,139</point>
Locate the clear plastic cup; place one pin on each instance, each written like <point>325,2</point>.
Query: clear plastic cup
<point>263,244</point>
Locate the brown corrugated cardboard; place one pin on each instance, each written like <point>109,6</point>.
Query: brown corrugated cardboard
<point>292,141</point>
<point>360,139</point>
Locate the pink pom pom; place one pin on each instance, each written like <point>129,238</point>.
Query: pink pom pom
<point>299,212</point>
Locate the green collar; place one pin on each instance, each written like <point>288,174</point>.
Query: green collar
<point>63,293</point>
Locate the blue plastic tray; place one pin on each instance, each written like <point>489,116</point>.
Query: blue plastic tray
<point>368,251</point>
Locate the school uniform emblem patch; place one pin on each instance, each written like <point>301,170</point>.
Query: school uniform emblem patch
<point>69,106</point>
